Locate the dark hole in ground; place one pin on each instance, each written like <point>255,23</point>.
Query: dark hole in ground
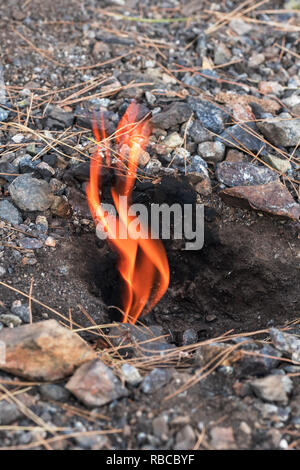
<point>244,278</point>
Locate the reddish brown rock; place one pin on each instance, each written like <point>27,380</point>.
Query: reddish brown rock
<point>273,198</point>
<point>94,384</point>
<point>222,438</point>
<point>43,351</point>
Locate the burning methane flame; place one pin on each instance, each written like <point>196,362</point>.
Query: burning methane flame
<point>143,263</point>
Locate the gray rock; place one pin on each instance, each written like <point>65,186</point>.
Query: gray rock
<point>21,311</point>
<point>197,168</point>
<point>177,113</point>
<point>3,114</point>
<point>273,388</point>
<point>45,170</point>
<point>7,168</point>
<point>210,115</point>
<point>94,384</point>
<point>213,152</point>
<point>30,193</point>
<point>57,118</point>
<point>153,167</point>
<point>173,140</point>
<point>221,54</point>
<point>241,136</point>
<point>198,133</point>
<point>131,375</point>
<point>281,164</point>
<point>2,271</point>
<point>30,243</point>
<point>269,410</point>
<point>9,319</point>
<point>185,439</point>
<point>10,213</point>
<point>156,380</point>
<point>282,130</point>
<point>244,174</point>
<point>27,165</point>
<point>286,343</point>
<point>189,336</point>
<point>54,392</point>
<point>9,412</point>
<point>160,427</point>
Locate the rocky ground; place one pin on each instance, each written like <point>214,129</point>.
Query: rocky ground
<point>216,365</point>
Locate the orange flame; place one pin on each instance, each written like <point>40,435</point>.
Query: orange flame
<point>143,263</point>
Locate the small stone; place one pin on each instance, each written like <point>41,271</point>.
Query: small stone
<point>9,413</point>
<point>7,169</point>
<point>100,47</point>
<point>60,206</point>
<point>240,27</point>
<point>54,392</point>
<point>235,156</point>
<point>292,101</point>
<point>222,438</point>
<point>197,174</point>
<point>131,375</point>
<point>160,427</point>
<point>286,343</point>
<point>10,320</point>
<point>245,428</point>
<point>2,271</point>
<point>185,439</point>
<point>50,241</point>
<point>151,99</point>
<point>41,223</point>
<point>211,116</point>
<point>18,138</point>
<point>156,380</point>
<point>241,136</point>
<point>153,167</point>
<point>30,243</point>
<point>10,213</point>
<point>256,60</point>
<point>30,193</point>
<point>57,186</point>
<point>242,112</point>
<point>3,114</point>
<point>189,336</point>
<point>43,351</point>
<point>180,157</point>
<point>144,158</point>
<point>244,174</point>
<point>221,54</point>
<point>272,198</point>
<point>213,152</point>
<point>50,159</point>
<point>282,130</point>
<point>173,140</point>
<point>21,311</point>
<point>45,170</point>
<point>281,164</point>
<point>94,384</point>
<point>175,114</point>
<point>271,88</point>
<point>198,133</point>
<point>273,388</point>
<point>57,118</point>
<point>26,164</point>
